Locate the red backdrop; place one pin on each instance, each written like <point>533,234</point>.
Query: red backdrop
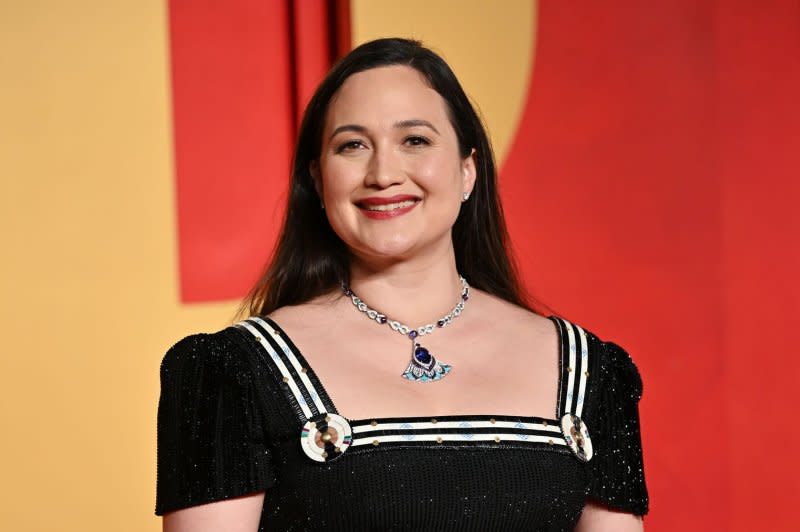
<point>242,71</point>
<point>651,192</point>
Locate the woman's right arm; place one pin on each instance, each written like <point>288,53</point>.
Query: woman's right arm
<point>241,514</point>
<point>214,459</point>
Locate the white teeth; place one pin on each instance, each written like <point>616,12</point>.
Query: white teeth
<point>391,206</point>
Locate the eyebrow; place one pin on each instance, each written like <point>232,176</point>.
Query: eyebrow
<point>348,127</point>
<point>415,123</point>
<point>403,124</point>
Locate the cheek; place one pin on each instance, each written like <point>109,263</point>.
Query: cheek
<point>339,180</point>
<point>438,175</point>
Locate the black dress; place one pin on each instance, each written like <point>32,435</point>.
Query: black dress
<point>241,412</point>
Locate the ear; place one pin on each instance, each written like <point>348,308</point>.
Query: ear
<point>469,171</point>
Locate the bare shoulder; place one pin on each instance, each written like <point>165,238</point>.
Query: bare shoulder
<point>512,319</point>
<point>318,309</point>
<point>313,320</point>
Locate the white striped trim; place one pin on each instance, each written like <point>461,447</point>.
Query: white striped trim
<point>584,370</point>
<point>573,354</point>
<point>554,440</point>
<point>281,366</point>
<point>312,391</point>
<point>571,369</point>
<point>418,425</point>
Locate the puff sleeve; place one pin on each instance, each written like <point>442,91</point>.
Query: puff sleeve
<point>617,471</point>
<point>211,443</point>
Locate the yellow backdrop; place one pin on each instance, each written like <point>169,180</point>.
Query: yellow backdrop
<point>88,271</point>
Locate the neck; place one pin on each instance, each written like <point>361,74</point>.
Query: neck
<point>414,294</point>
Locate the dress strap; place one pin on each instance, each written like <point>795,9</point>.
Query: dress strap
<point>574,366</point>
<point>300,382</point>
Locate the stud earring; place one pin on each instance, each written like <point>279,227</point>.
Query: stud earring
<point>466,197</point>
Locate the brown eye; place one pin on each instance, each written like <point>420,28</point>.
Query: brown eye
<point>417,141</point>
<point>349,146</point>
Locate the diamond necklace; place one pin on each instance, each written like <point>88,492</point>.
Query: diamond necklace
<point>423,366</point>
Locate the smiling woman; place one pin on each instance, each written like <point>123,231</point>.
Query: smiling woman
<point>390,170</point>
<point>393,216</point>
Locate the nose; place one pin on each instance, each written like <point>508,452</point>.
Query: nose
<point>384,169</point>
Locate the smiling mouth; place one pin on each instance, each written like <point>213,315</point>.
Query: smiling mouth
<point>387,207</point>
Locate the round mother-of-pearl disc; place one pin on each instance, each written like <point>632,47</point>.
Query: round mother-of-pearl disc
<point>328,443</point>
<point>577,436</point>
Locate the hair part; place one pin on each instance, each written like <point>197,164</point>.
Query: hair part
<point>310,259</point>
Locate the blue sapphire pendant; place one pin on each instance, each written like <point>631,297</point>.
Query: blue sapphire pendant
<point>424,367</point>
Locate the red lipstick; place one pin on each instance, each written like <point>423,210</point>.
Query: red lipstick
<point>368,204</point>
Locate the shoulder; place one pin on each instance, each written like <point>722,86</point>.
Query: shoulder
<point>617,361</point>
<point>510,319</point>
<point>218,354</point>
<point>610,364</point>
<point>324,310</point>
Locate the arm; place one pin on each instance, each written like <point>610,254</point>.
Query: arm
<point>240,514</point>
<point>598,518</point>
<point>214,460</point>
<point>617,496</point>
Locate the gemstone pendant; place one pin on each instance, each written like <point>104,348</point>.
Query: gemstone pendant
<point>424,367</point>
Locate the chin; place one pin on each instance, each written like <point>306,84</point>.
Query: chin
<point>391,244</point>
<point>398,249</point>
<point>387,250</point>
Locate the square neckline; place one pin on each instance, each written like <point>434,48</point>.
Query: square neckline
<point>323,391</point>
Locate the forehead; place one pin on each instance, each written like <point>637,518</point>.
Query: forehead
<point>382,96</point>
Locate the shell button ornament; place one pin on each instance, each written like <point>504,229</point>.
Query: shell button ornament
<point>325,437</point>
<point>577,436</point>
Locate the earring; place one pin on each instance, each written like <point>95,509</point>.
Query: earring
<point>466,197</point>
<point>322,205</point>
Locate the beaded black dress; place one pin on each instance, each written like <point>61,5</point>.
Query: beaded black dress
<point>241,412</point>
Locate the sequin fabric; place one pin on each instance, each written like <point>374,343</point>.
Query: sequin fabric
<point>227,427</point>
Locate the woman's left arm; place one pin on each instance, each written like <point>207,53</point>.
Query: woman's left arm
<point>617,497</point>
<point>598,518</point>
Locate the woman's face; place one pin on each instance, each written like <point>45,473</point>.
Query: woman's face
<point>390,173</point>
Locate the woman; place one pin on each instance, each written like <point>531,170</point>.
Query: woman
<point>457,407</point>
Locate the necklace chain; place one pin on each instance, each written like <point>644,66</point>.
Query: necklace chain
<point>405,330</point>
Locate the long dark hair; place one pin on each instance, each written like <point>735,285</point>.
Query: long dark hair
<point>310,259</point>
